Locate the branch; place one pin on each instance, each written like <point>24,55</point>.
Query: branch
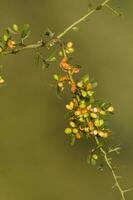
<point>107,160</point>
<point>54,40</point>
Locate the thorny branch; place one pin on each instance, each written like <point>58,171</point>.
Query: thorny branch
<point>51,42</point>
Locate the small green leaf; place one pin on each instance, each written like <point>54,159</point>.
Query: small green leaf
<point>94,84</point>
<point>15,27</point>
<point>56,77</point>
<point>24,30</point>
<point>72,139</point>
<point>6,36</point>
<point>51,58</point>
<point>93,161</point>
<point>85,78</point>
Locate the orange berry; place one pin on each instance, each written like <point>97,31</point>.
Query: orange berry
<point>78,136</point>
<point>11,44</point>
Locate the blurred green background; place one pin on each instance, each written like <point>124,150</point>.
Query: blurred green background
<point>36,161</point>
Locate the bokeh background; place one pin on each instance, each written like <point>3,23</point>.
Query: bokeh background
<point>36,160</point>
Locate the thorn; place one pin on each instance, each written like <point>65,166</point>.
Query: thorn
<point>128,190</point>
<point>114,186</point>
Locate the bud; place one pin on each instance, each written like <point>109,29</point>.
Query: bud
<point>110,109</point>
<point>77,112</point>
<point>5,37</point>
<point>103,134</point>
<point>95,110</point>
<point>11,44</point>
<point>86,129</point>
<point>95,132</point>
<point>70,106</point>
<point>1,80</point>
<point>72,124</point>
<point>98,123</point>
<point>68,131</point>
<point>81,119</point>
<point>80,84</point>
<point>95,156</point>
<point>89,86</point>
<point>69,44</point>
<point>90,93</point>
<point>15,27</point>
<point>78,136</point>
<point>91,125</point>
<point>60,84</point>
<point>89,107</point>
<point>56,77</point>
<point>71,50</point>
<point>60,53</point>
<point>102,112</point>
<point>84,93</point>
<point>93,115</point>
<point>75,130</point>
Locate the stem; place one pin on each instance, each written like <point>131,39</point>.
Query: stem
<point>54,40</point>
<point>81,20</point>
<point>107,160</point>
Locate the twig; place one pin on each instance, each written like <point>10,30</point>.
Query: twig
<point>54,40</point>
<point>81,19</point>
<point>107,160</point>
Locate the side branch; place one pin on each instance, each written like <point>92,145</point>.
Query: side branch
<point>122,192</point>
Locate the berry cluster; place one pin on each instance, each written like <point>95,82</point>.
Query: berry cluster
<point>86,114</point>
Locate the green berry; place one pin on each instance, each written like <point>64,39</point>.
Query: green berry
<point>56,77</point>
<point>72,124</point>
<point>75,130</point>
<point>84,93</point>
<point>98,123</point>
<point>80,84</point>
<point>68,131</point>
<point>95,156</point>
<point>15,27</point>
<point>81,119</point>
<point>5,37</point>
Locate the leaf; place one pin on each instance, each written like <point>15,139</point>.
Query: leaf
<point>85,78</point>
<point>24,31</point>
<point>72,139</point>
<point>6,36</point>
<point>51,58</point>
<point>91,160</point>
<point>94,85</point>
